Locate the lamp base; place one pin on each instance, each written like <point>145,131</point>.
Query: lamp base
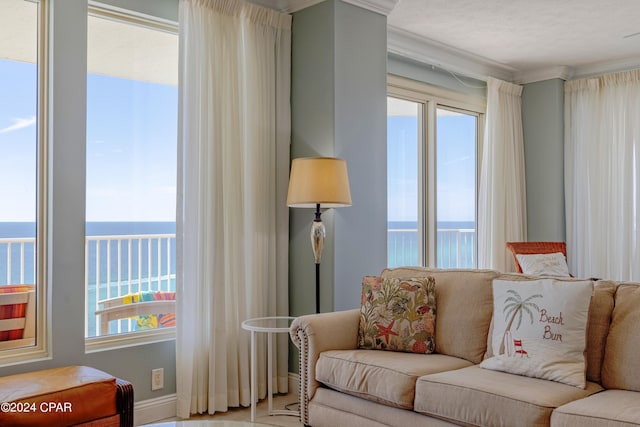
<point>317,243</point>
<point>318,288</point>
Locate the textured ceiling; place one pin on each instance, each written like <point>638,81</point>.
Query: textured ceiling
<point>528,34</point>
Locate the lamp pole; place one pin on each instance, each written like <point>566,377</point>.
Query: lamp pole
<point>317,241</point>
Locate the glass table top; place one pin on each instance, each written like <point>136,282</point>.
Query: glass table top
<point>268,324</point>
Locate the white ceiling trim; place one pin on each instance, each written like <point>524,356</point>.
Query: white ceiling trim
<point>292,6</point>
<point>606,67</point>
<point>421,49</point>
<point>559,72</point>
<point>286,6</point>
<point>383,7</point>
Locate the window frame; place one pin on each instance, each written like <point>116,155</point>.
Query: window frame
<point>40,351</point>
<point>135,338</point>
<point>431,98</point>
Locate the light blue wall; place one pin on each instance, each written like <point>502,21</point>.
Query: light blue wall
<point>68,64</point>
<point>312,134</point>
<point>339,109</point>
<point>360,138</point>
<point>543,127</point>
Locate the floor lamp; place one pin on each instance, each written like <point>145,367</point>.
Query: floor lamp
<point>318,182</point>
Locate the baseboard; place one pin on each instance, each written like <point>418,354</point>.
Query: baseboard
<point>163,407</point>
<point>153,410</point>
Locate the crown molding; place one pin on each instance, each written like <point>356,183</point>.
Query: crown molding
<point>558,72</point>
<point>383,7</point>
<point>287,6</point>
<point>422,49</point>
<point>606,67</point>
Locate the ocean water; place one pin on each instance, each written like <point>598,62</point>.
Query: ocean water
<point>453,249</point>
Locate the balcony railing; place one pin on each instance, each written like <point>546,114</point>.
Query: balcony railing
<point>123,264</point>
<point>20,256</point>
<point>455,248</point>
<point>120,265</point>
<point>114,266</point>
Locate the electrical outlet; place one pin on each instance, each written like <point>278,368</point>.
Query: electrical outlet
<point>157,379</point>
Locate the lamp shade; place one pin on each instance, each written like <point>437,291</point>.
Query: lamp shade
<point>318,180</point>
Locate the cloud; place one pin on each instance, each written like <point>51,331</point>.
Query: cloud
<point>19,124</point>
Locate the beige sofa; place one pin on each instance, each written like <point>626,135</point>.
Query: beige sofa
<point>341,385</point>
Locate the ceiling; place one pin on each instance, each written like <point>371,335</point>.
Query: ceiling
<point>515,40</point>
<point>526,39</point>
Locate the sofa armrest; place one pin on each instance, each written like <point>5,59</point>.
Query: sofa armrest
<point>315,333</point>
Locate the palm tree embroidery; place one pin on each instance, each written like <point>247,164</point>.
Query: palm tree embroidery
<point>515,306</point>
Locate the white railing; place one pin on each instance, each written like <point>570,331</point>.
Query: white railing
<point>114,266</point>
<point>455,248</point>
<point>119,265</point>
<point>20,255</point>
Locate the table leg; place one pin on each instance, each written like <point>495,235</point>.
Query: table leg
<point>253,376</point>
<point>270,371</point>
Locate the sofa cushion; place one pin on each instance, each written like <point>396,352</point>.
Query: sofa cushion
<point>461,327</point>
<point>381,376</point>
<point>621,361</point>
<point>613,408</point>
<point>493,398</point>
<point>540,329</point>
<point>599,321</point>
<point>331,408</point>
<point>398,314</point>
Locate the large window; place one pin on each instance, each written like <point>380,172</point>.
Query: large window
<point>22,171</point>
<point>433,138</point>
<point>131,176</point>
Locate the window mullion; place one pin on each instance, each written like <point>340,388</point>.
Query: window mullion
<point>429,174</point>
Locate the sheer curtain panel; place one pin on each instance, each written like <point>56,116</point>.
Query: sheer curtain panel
<point>233,148</point>
<point>602,149</point>
<point>502,214</point>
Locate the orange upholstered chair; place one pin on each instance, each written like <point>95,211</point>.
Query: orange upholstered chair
<point>530,248</point>
<point>17,316</point>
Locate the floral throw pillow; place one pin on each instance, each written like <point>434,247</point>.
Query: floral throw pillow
<point>398,314</point>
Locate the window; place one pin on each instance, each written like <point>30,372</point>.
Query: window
<point>22,172</point>
<point>132,104</point>
<point>433,138</point>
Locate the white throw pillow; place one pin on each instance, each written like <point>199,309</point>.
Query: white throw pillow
<point>539,329</point>
<point>554,264</point>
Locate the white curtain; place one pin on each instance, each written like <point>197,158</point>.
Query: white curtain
<point>502,215</point>
<point>602,181</point>
<point>233,154</point>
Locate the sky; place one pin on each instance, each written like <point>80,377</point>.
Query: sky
<point>455,170</point>
<point>131,153</point>
<point>131,147</point>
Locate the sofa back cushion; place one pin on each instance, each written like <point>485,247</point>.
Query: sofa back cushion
<point>599,321</point>
<point>465,304</point>
<point>621,361</point>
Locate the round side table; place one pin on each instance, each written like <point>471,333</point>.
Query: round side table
<point>270,326</point>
